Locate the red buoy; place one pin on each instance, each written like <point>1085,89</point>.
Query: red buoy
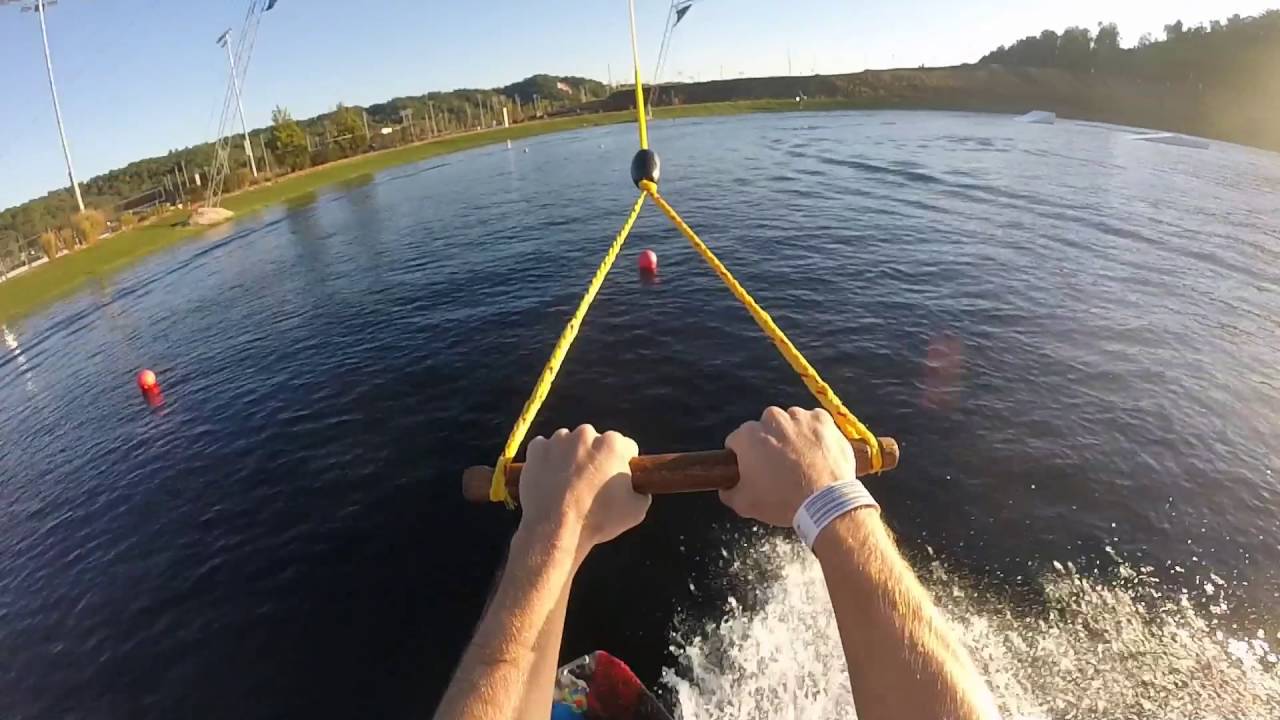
<point>648,261</point>
<point>147,381</point>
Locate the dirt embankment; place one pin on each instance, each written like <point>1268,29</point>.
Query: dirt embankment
<point>1245,111</point>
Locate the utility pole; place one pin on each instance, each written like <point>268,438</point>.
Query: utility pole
<point>480,107</point>
<point>611,77</point>
<point>519,110</point>
<point>262,140</point>
<point>406,118</point>
<point>225,41</point>
<point>788,61</point>
<point>38,8</point>
<point>431,109</point>
<point>366,126</point>
<point>468,107</point>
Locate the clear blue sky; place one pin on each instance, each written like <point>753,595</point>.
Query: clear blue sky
<point>141,77</point>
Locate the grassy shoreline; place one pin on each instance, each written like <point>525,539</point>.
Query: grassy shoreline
<point>42,286</point>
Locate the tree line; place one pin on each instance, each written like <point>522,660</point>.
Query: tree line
<point>1223,51</point>
<point>288,145</point>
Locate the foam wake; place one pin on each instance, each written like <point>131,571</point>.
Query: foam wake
<point>1117,649</point>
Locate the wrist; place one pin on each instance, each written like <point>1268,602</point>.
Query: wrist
<point>857,535</point>
<point>550,539</point>
<point>827,504</point>
<point>561,532</point>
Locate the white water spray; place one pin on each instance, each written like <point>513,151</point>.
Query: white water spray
<point>11,341</point>
<point>1119,651</point>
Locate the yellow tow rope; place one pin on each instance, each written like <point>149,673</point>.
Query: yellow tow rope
<point>852,428</point>
<point>498,491</point>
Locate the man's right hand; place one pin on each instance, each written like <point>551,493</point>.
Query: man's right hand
<point>582,479</point>
<point>783,459</point>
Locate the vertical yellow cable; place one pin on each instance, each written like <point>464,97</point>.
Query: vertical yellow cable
<point>635,59</point>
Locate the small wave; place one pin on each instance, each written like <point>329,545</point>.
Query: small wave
<point>414,172</point>
<point>895,170</point>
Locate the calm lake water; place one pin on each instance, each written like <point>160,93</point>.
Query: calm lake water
<point>1074,336</point>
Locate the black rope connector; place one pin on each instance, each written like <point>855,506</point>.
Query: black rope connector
<point>645,166</point>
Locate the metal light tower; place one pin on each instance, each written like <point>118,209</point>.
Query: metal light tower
<point>224,41</point>
<point>238,60</point>
<point>37,7</point>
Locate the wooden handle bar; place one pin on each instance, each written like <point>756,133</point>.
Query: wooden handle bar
<point>668,474</point>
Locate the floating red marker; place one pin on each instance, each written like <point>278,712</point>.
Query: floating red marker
<point>648,261</point>
<point>147,381</point>
<point>150,387</point>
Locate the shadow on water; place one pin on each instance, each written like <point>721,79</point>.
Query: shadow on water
<point>309,236</point>
<point>355,182</point>
<point>301,221</point>
<point>296,202</point>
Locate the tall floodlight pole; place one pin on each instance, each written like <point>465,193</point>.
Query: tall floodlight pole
<point>225,41</point>
<point>37,7</point>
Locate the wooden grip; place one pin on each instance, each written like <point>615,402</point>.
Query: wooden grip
<point>670,473</point>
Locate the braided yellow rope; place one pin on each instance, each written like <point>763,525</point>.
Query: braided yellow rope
<point>845,420</point>
<point>498,489</point>
<point>852,428</point>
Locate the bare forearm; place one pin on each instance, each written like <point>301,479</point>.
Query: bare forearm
<point>491,680</point>
<point>539,690</point>
<point>904,662</point>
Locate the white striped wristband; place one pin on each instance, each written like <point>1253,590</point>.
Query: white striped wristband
<point>828,504</point>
